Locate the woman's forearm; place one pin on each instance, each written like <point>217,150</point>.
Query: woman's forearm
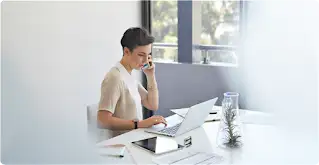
<point>152,96</point>
<point>114,123</point>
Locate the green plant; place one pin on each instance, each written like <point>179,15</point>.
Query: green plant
<point>232,137</point>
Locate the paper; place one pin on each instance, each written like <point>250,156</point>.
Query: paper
<point>117,150</point>
<point>212,117</point>
<point>183,111</point>
<point>189,157</point>
<point>246,116</point>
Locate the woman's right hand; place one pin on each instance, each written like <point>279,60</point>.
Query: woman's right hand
<point>152,121</point>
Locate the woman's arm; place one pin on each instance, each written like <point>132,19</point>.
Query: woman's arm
<point>106,120</point>
<point>110,95</point>
<point>151,99</point>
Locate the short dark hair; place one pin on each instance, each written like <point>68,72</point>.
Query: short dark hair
<point>136,36</point>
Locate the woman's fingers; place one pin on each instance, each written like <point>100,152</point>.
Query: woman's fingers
<point>160,119</point>
<point>163,120</point>
<point>150,61</point>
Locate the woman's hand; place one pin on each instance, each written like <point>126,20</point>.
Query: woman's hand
<point>152,121</point>
<point>151,69</point>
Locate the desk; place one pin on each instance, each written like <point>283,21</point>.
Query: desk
<point>262,143</point>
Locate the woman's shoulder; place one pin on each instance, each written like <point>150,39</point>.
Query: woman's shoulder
<point>113,75</point>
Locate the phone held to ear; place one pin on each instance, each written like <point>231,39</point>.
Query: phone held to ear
<point>147,65</point>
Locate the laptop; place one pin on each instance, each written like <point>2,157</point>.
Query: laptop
<point>194,118</point>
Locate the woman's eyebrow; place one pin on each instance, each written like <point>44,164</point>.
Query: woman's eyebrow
<point>142,53</point>
<point>145,53</point>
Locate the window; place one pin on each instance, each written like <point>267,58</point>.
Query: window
<point>164,29</point>
<point>202,32</point>
<point>220,22</point>
<point>219,31</point>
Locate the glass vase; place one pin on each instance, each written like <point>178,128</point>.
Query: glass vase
<point>230,134</point>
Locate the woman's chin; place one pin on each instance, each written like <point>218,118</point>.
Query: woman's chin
<point>138,68</point>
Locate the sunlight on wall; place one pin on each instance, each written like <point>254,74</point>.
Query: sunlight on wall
<point>279,68</point>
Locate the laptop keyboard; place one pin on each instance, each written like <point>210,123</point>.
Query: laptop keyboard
<point>171,130</point>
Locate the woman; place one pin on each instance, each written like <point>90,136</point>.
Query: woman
<point>122,96</point>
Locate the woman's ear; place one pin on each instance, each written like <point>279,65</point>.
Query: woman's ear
<point>126,51</point>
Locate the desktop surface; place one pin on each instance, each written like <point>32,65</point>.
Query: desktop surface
<point>263,143</point>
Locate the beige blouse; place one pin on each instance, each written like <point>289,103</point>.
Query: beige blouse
<point>122,95</point>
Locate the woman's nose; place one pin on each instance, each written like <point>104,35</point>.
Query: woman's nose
<point>145,60</point>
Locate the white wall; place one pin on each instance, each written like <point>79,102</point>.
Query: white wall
<point>1,85</point>
<point>279,69</point>
<point>54,57</point>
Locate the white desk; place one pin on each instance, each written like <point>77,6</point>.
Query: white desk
<point>262,144</point>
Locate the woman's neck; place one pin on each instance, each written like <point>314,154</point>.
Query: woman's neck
<point>126,65</point>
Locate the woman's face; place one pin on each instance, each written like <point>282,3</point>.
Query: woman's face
<point>139,56</point>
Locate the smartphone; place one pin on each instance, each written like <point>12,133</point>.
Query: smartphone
<point>147,65</point>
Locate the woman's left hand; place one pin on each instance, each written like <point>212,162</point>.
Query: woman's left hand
<point>151,69</point>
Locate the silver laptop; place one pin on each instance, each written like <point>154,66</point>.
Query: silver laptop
<point>194,118</point>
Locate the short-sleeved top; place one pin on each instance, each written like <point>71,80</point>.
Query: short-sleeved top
<point>122,95</point>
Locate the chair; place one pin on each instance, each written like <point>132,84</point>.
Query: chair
<point>95,133</point>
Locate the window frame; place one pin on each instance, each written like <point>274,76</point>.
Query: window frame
<point>185,46</point>
<point>146,20</point>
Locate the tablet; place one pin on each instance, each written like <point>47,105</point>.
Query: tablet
<point>158,145</point>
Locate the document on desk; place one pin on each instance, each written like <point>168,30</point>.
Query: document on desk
<point>211,117</point>
<point>116,150</point>
<point>183,111</point>
<point>187,157</point>
<point>116,154</point>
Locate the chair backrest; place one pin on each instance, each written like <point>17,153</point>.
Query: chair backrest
<point>95,133</point>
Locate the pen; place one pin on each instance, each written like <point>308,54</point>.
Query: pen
<point>118,150</point>
<point>212,120</point>
<point>119,156</point>
<point>212,112</point>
